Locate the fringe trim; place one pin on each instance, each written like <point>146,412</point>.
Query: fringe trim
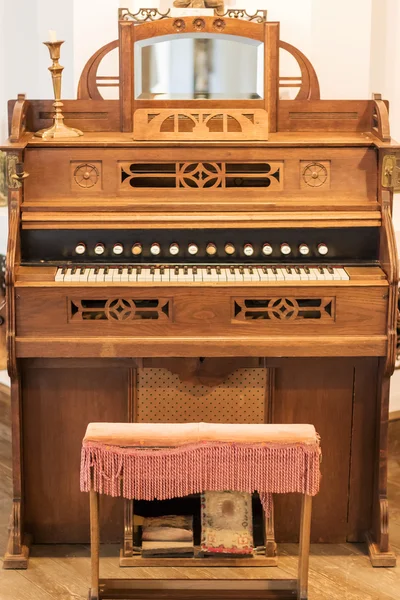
<point>165,473</point>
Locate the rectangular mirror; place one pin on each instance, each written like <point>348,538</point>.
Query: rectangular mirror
<point>199,66</point>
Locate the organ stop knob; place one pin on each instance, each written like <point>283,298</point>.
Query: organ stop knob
<point>211,249</point>
<point>230,249</point>
<point>174,249</point>
<point>304,250</point>
<point>193,249</point>
<point>99,249</point>
<point>248,250</point>
<point>155,249</point>
<point>137,249</point>
<point>267,250</point>
<point>80,248</point>
<point>323,249</point>
<point>286,249</point>
<point>118,249</point>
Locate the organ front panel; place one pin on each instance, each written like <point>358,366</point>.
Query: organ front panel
<point>231,259</point>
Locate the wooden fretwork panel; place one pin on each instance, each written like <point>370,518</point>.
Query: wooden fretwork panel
<point>120,310</point>
<point>266,175</point>
<point>284,309</point>
<point>319,392</point>
<point>212,124</point>
<point>164,398</point>
<point>58,404</point>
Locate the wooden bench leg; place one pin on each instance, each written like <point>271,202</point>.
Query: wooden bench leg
<point>94,544</point>
<point>304,549</point>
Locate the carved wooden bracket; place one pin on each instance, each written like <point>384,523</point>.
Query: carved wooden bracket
<point>380,119</point>
<point>19,118</point>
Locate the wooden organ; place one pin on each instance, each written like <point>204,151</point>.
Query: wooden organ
<point>221,259</point>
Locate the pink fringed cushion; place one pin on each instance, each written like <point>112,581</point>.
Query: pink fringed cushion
<point>163,461</point>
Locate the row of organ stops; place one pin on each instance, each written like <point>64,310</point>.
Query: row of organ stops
<point>193,249</point>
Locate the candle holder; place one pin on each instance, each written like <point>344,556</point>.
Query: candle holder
<point>58,130</point>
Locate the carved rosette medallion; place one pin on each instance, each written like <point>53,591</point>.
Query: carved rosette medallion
<point>179,25</point>
<point>86,175</point>
<point>315,175</point>
<point>199,24</point>
<point>219,24</point>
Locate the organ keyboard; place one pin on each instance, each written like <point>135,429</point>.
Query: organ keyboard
<point>198,274</point>
<point>224,259</point>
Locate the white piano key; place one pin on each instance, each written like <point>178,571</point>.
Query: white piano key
<point>222,275</point>
<point>141,275</point>
<point>329,274</point>
<point>59,275</point>
<point>132,277</point>
<point>343,275</point>
<point>230,275</point>
<point>254,275</point>
<point>271,275</point>
<point>117,275</point>
<point>165,275</point>
<point>125,276</point>
<point>173,275</point>
<point>83,275</point>
<point>317,275</point>
<point>109,275</point>
<point>337,274</point>
<point>148,275</point>
<point>92,275</point>
<point>280,275</point>
<point>239,274</point>
<point>288,274</point>
<point>295,274</point>
<point>68,275</point>
<point>247,275</point>
<point>188,276</point>
<point>206,274</point>
<point>197,275</point>
<point>100,276</point>
<point>214,275</point>
<point>157,275</point>
<point>262,275</point>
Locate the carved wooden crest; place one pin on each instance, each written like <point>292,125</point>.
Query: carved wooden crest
<point>185,124</point>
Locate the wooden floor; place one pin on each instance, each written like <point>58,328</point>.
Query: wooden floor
<point>339,572</point>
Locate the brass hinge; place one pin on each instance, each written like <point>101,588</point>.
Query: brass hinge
<point>391,172</point>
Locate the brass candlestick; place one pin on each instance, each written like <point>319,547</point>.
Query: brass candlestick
<point>58,130</point>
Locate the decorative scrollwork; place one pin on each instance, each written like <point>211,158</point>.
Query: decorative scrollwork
<point>315,175</point>
<point>260,16</point>
<point>284,309</point>
<point>143,15</point>
<point>86,175</point>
